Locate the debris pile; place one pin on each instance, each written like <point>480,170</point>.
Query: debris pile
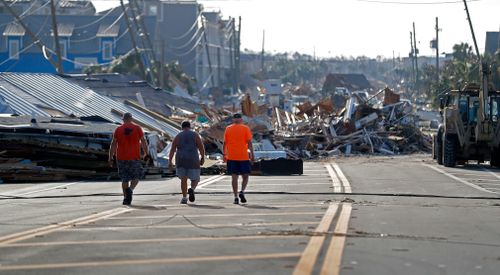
<point>336,125</point>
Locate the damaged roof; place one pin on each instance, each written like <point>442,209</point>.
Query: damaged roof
<point>123,87</point>
<point>35,92</point>
<point>353,82</point>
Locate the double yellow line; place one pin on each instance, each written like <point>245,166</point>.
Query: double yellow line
<point>333,259</point>
<point>339,180</point>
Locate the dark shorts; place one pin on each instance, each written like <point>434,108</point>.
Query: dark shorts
<point>130,170</point>
<point>239,167</point>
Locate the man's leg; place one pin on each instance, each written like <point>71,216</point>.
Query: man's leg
<point>194,184</point>
<point>133,184</point>
<point>124,187</point>
<point>127,193</point>
<point>184,182</point>
<point>192,197</point>
<point>234,182</point>
<point>244,184</point>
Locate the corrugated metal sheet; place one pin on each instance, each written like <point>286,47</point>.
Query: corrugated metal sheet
<point>19,105</point>
<point>107,30</point>
<point>73,4</point>
<point>14,29</point>
<point>70,98</point>
<point>64,29</point>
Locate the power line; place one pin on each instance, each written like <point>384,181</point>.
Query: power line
<point>196,35</point>
<point>98,20</point>
<point>25,13</point>
<point>196,21</point>
<point>30,45</point>
<point>95,36</point>
<point>414,3</point>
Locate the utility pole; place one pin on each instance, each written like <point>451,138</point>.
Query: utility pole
<point>145,39</point>
<point>219,78</point>
<point>416,58</point>
<point>237,58</point>
<point>162,65</point>
<point>59,66</point>
<point>472,31</point>
<point>208,52</point>
<point>412,57</point>
<point>263,51</point>
<point>231,56</point>
<point>437,51</point>
<point>132,39</point>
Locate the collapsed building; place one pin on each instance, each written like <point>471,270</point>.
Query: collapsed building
<point>49,121</point>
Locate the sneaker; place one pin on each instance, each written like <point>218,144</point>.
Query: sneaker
<point>236,201</point>
<point>242,197</point>
<point>191,194</point>
<point>184,201</point>
<point>128,196</point>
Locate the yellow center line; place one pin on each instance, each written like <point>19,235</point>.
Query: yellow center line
<point>150,261</point>
<point>345,182</point>
<point>310,254</point>
<point>20,236</point>
<point>182,239</point>
<point>220,215</point>
<point>333,258</point>
<point>337,185</point>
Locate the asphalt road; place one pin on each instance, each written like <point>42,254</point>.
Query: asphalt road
<point>402,215</point>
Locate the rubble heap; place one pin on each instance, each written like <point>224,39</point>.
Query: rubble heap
<point>333,126</point>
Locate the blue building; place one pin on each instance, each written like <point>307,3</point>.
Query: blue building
<point>492,44</point>
<point>179,31</point>
<point>84,41</point>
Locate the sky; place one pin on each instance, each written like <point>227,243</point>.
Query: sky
<point>354,27</point>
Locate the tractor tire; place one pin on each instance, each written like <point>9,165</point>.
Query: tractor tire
<point>434,140</point>
<point>439,151</point>
<point>449,151</point>
<point>439,147</point>
<point>495,158</point>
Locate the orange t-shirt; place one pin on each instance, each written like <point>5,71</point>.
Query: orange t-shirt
<point>236,138</point>
<point>128,138</point>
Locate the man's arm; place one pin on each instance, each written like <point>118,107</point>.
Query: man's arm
<point>201,148</point>
<point>250,146</point>
<point>224,147</point>
<point>112,151</point>
<point>144,145</point>
<point>173,149</point>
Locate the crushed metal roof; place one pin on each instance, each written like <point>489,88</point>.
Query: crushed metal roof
<point>19,105</point>
<point>354,82</point>
<point>72,100</point>
<point>107,30</point>
<point>14,29</point>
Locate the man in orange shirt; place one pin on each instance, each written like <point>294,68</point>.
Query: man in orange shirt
<point>237,142</point>
<point>126,145</point>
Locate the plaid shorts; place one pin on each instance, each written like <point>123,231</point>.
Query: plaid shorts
<point>130,170</point>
